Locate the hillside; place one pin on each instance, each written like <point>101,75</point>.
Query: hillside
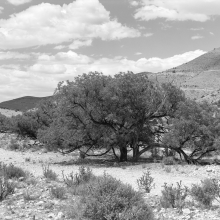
<point>22,104</point>
<point>199,78</point>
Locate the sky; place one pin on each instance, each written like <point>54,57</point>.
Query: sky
<point>43,42</point>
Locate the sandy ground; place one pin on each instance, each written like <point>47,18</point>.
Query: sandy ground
<point>33,161</point>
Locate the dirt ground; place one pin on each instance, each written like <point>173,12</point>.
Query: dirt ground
<point>32,160</point>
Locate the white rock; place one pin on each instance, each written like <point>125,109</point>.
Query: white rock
<point>8,218</point>
<point>60,215</point>
<point>186,211</point>
<point>40,203</point>
<point>51,215</point>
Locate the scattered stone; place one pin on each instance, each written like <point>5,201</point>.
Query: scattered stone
<point>186,211</point>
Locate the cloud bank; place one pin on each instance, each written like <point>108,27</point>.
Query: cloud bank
<point>41,78</point>
<point>18,2</point>
<point>177,10</point>
<point>44,24</point>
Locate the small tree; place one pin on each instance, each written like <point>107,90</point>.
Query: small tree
<point>193,128</point>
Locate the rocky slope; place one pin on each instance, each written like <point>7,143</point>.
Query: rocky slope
<point>199,78</point>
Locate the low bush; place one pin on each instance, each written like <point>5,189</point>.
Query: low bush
<point>107,198</point>
<point>145,182</point>
<point>7,186</point>
<point>174,197</point>
<point>13,145</point>
<point>206,192</point>
<point>84,175</point>
<point>30,195</point>
<point>48,173</point>
<point>58,192</point>
<point>12,171</point>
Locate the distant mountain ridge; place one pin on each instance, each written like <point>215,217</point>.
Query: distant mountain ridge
<point>23,103</point>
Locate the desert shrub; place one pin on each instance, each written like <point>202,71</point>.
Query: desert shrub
<point>146,182</point>
<point>58,192</point>
<point>25,125</point>
<point>12,171</point>
<point>84,175</point>
<point>107,198</point>
<point>48,173</point>
<point>29,195</point>
<point>168,160</point>
<point>13,145</point>
<point>4,123</point>
<point>167,169</point>
<point>174,197</point>
<point>206,192</point>
<point>6,186</point>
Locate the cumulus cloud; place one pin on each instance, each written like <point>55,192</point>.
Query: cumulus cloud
<point>148,34</point>
<point>197,29</point>
<point>134,3</point>
<point>54,24</point>
<point>13,55</point>
<point>79,43</point>
<point>59,47</point>
<point>18,2</point>
<point>138,53</point>
<point>41,78</point>
<point>197,37</point>
<point>180,10</point>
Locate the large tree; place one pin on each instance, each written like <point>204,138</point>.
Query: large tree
<point>103,112</point>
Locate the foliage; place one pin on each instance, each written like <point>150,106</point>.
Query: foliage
<point>25,125</point>
<point>103,112</point>
<point>194,127</point>
<point>83,176</point>
<point>48,173</point>
<point>146,182</point>
<point>7,186</point>
<point>29,195</point>
<point>4,123</point>
<point>58,192</point>
<point>13,145</point>
<point>174,197</point>
<point>206,192</point>
<point>12,171</point>
<point>107,198</point>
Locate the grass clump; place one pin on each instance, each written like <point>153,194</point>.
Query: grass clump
<point>14,145</point>
<point>84,175</point>
<point>105,197</point>
<point>48,173</point>
<point>174,197</point>
<point>58,192</point>
<point>206,192</point>
<point>30,196</point>
<point>7,186</point>
<point>145,182</point>
<point>13,172</point>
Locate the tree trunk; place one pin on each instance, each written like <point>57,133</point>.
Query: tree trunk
<point>136,154</point>
<point>123,154</point>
